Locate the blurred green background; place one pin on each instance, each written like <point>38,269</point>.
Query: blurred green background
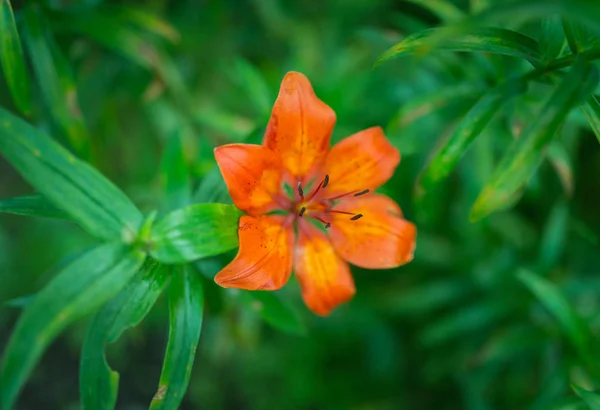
<point>458,328</point>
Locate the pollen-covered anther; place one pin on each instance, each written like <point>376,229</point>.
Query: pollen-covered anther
<point>327,225</point>
<point>355,217</point>
<point>366,191</point>
<point>302,211</point>
<point>325,181</point>
<point>300,190</point>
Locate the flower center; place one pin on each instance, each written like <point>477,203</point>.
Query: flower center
<point>319,206</point>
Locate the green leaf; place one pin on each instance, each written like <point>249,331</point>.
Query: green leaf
<point>561,162</point>
<point>71,185</point>
<point>591,398</point>
<point>467,130</point>
<point>422,299</point>
<point>212,188</point>
<point>113,33</point>
<point>55,81</point>
<point>79,289</point>
<point>551,38</point>
<point>470,319</point>
<point>518,12</point>
<point>572,325</point>
<point>554,236</point>
<point>12,60</point>
<point>20,302</point>
<point>148,21</point>
<point>591,112</point>
<point>572,39</point>
<point>274,311</point>
<point>32,205</point>
<point>195,232</point>
<point>252,82</point>
<point>444,9</point>
<point>578,37</point>
<point>174,174</point>
<point>525,154</point>
<point>98,383</point>
<point>486,39</point>
<point>424,105</point>
<point>186,305</point>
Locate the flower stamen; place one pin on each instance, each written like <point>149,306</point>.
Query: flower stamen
<point>366,191</point>
<point>323,184</point>
<point>327,224</point>
<point>355,217</point>
<point>302,211</point>
<point>300,190</point>
<point>333,211</point>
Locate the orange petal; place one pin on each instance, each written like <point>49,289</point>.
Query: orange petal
<point>264,259</point>
<point>380,239</point>
<point>361,161</point>
<point>252,174</point>
<point>300,127</point>
<point>324,277</point>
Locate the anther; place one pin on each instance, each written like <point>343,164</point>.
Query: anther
<point>325,181</point>
<point>355,217</point>
<point>300,190</point>
<point>327,225</point>
<point>302,211</point>
<point>366,191</point>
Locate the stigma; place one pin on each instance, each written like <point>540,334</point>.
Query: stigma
<point>319,206</point>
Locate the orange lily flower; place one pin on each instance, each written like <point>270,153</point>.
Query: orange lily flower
<point>310,207</point>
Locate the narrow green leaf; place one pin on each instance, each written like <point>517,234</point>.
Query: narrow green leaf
<point>561,162</point>
<point>572,39</point>
<point>55,81</point>
<point>423,299</point>
<point>444,9</point>
<point>478,5</point>
<point>20,302</point>
<point>70,184</point>
<point>195,232</point>
<point>148,21</point>
<point>251,81</point>
<point>113,33</point>
<point>572,325</point>
<point>525,154</point>
<point>79,289</point>
<point>591,111</point>
<point>32,205</point>
<point>486,39</point>
<point>591,398</point>
<point>551,38</point>
<point>458,324</point>
<point>424,105</point>
<point>578,37</point>
<point>467,130</point>
<point>174,174</point>
<point>554,236</point>
<point>186,305</point>
<point>212,188</point>
<point>12,60</point>
<point>98,383</point>
<point>274,311</point>
<point>519,12</point>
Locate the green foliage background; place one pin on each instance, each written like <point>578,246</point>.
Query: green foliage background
<point>499,309</point>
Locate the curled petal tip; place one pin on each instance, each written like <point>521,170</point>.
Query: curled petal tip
<point>294,75</point>
<point>300,127</point>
